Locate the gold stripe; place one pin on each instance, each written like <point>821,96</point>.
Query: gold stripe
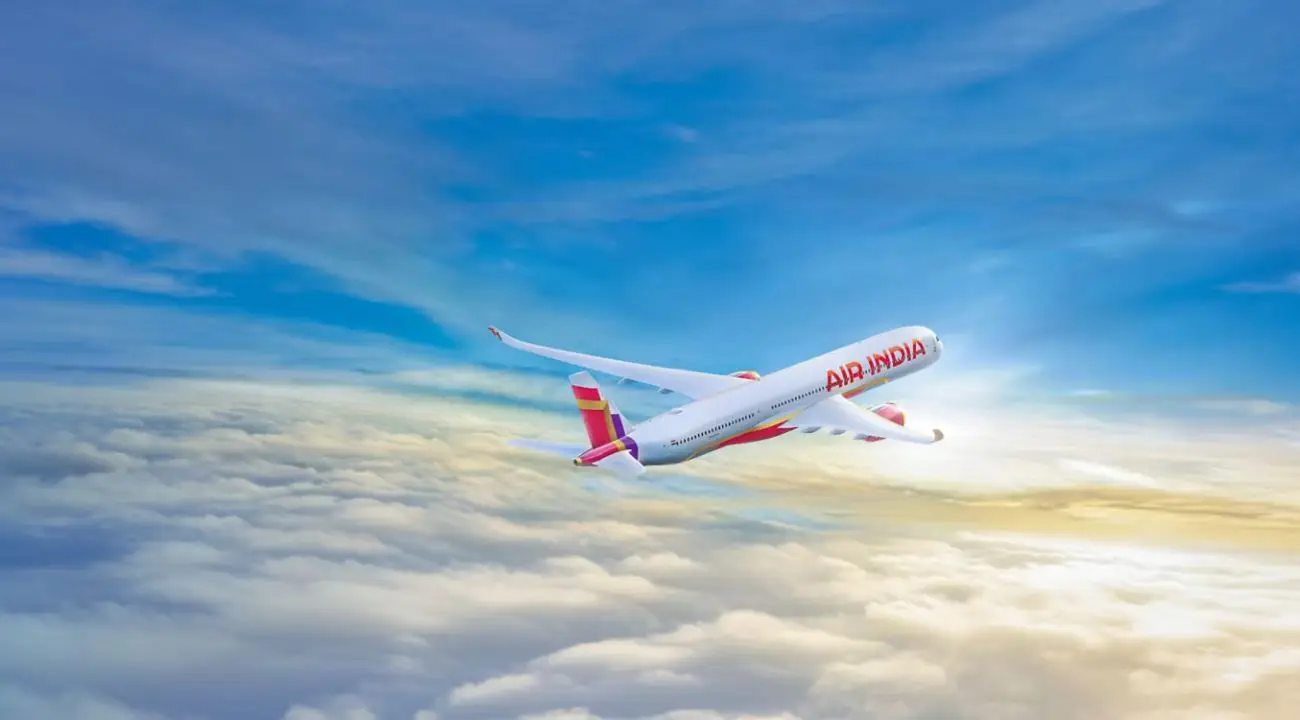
<point>769,423</point>
<point>864,388</point>
<point>609,423</point>
<point>593,404</point>
<point>697,453</point>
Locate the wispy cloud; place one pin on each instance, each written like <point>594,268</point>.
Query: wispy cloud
<point>1247,406</point>
<point>100,340</point>
<point>104,271</point>
<point>347,145</point>
<point>1289,284</point>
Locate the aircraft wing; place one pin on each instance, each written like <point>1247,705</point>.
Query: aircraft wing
<point>837,413</point>
<point>690,383</point>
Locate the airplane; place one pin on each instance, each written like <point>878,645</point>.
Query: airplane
<point>744,407</point>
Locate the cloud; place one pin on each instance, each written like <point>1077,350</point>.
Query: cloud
<point>244,131</point>
<point>1248,406</point>
<point>958,634</point>
<point>1289,284</point>
<point>1108,473</point>
<point>341,552</point>
<point>66,337</point>
<point>1004,43</point>
<point>105,271</point>
<point>18,702</point>
<point>340,530</point>
<point>304,171</point>
<point>58,457</point>
<point>345,707</point>
<point>493,689</point>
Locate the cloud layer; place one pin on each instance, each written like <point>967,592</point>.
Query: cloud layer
<point>336,552</point>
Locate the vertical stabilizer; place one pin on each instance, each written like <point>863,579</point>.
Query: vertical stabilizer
<point>601,418</point>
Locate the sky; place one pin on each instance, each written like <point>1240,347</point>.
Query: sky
<point>252,425</point>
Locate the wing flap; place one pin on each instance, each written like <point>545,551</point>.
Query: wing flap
<point>690,383</point>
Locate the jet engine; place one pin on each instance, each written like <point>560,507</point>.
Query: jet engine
<point>890,412</point>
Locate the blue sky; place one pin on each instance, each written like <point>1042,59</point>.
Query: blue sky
<point>1104,191</point>
<point>250,250</point>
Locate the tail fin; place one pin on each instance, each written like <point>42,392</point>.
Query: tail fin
<point>601,417</point>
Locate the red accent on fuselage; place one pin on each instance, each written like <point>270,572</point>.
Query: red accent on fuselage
<point>757,435</point>
<point>596,454</point>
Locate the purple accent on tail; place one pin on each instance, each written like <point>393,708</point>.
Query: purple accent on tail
<point>618,424</point>
<point>632,449</point>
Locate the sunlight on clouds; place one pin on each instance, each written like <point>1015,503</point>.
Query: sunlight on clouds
<point>1107,473</point>
<point>343,552</point>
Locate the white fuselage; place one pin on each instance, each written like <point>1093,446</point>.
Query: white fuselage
<point>706,424</point>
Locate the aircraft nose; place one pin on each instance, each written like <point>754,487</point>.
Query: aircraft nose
<point>938,345</point>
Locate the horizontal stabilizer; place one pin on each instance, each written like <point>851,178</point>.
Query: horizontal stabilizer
<point>622,464</point>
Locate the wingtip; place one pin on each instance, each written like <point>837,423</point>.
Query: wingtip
<point>938,434</point>
<point>495,333</point>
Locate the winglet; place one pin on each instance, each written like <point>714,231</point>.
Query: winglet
<point>496,333</point>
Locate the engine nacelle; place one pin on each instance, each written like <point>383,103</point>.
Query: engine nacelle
<point>890,412</point>
<point>746,374</point>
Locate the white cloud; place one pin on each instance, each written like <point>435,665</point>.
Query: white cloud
<point>1289,284</point>
<point>106,271</point>
<point>345,707</point>
<point>1108,473</point>
<point>496,688</point>
<point>346,553</point>
<point>1248,406</point>
<point>566,714</point>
